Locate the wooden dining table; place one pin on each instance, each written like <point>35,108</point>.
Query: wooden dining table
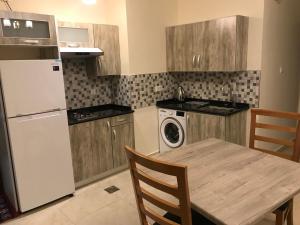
<point>232,184</point>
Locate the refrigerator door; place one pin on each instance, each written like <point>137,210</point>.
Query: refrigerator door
<point>32,86</point>
<point>42,160</point>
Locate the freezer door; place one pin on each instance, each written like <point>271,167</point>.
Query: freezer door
<point>42,160</point>
<point>32,86</point>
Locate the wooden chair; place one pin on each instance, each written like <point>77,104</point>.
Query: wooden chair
<point>177,214</point>
<point>285,212</point>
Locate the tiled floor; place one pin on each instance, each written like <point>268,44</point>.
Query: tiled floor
<point>93,206</point>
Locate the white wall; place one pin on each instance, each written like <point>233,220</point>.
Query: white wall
<point>281,48</point>
<point>146,21</point>
<point>199,10</point>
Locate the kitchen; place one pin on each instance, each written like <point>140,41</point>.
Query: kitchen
<point>155,55</point>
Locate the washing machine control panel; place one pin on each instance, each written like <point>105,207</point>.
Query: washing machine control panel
<point>180,113</point>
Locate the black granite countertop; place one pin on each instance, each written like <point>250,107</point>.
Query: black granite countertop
<point>213,107</point>
<point>82,115</point>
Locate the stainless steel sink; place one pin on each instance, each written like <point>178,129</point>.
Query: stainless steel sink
<point>220,108</point>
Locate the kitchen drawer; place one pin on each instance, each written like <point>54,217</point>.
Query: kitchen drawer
<point>122,119</point>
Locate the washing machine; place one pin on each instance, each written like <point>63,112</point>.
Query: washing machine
<point>172,129</point>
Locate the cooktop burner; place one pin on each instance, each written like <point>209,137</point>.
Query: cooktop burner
<point>86,115</point>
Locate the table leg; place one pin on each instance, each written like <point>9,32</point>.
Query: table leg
<point>290,216</point>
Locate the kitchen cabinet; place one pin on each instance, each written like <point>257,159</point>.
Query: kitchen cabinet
<point>230,128</point>
<point>214,45</point>
<point>202,126</point>
<point>91,148</point>
<point>122,135</point>
<point>27,29</point>
<point>179,47</point>
<point>75,35</point>
<point>106,37</point>
<point>98,147</point>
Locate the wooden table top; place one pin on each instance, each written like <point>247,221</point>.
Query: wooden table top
<point>233,185</point>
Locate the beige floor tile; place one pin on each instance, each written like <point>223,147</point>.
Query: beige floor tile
<point>118,213</point>
<point>44,217</point>
<point>87,202</point>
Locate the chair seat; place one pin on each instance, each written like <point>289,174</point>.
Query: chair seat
<point>196,218</point>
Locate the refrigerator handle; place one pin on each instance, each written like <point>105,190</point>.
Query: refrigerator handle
<point>38,116</point>
<point>48,111</point>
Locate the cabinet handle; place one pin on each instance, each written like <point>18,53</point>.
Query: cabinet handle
<point>198,61</point>
<point>188,120</point>
<point>121,120</point>
<point>115,134</point>
<point>194,57</point>
<point>31,41</point>
<point>108,125</point>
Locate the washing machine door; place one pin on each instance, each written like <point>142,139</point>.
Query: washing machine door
<point>172,133</point>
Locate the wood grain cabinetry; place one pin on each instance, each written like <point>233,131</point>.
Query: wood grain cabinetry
<point>98,147</point>
<point>75,35</point>
<point>106,37</point>
<point>215,45</point>
<point>91,148</point>
<point>87,35</point>
<point>27,29</point>
<point>122,135</point>
<point>203,126</point>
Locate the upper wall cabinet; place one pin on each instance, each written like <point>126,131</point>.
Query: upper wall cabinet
<point>75,35</point>
<point>215,45</point>
<point>27,29</point>
<point>106,37</point>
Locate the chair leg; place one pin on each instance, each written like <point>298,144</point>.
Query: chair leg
<point>280,218</point>
<point>290,216</point>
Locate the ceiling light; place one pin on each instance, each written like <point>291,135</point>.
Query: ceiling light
<point>89,2</point>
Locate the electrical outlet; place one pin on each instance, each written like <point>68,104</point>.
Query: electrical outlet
<point>158,88</point>
<point>93,91</point>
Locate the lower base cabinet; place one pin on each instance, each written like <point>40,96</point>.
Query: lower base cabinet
<point>229,128</point>
<point>98,147</point>
<point>122,136</point>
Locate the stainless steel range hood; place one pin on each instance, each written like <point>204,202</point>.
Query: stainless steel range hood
<point>80,52</point>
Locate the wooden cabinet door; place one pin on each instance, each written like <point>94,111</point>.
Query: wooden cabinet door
<point>101,146</point>
<point>202,126</point>
<point>73,34</point>
<point>122,135</point>
<point>91,149</point>
<point>200,47</point>
<point>221,44</point>
<point>41,33</point>
<point>214,45</point>
<point>106,37</point>
<point>236,128</point>
<point>179,48</point>
<point>82,153</point>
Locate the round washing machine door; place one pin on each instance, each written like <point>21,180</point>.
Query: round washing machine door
<point>172,133</point>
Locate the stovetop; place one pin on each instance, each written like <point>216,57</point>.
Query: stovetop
<point>98,112</point>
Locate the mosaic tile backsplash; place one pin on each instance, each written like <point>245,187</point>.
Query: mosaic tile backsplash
<point>140,91</point>
<point>242,86</point>
<point>82,90</point>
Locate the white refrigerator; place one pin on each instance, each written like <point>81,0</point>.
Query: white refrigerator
<point>36,161</point>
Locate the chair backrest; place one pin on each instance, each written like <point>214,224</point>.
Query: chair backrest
<point>180,191</point>
<point>294,144</point>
